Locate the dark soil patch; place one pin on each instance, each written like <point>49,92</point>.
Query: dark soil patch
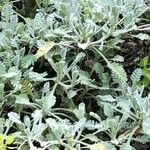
<point>133,50</point>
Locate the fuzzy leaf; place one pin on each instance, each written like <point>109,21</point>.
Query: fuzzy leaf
<point>48,102</point>
<point>71,94</point>
<point>34,76</point>
<point>136,75</point>
<point>118,58</point>
<point>44,49</point>
<point>142,36</point>
<point>22,99</point>
<point>80,112</point>
<point>146,126</point>
<point>97,146</point>
<point>14,117</point>
<point>118,72</point>
<point>92,137</point>
<point>106,98</point>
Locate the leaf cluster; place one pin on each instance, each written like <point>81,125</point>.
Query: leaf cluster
<point>62,85</point>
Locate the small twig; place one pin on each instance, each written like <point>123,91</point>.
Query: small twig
<point>38,4</point>
<point>15,1</point>
<point>54,88</point>
<point>63,109</point>
<point>128,135</point>
<point>78,136</point>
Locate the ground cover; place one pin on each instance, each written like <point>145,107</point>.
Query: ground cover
<point>74,75</point>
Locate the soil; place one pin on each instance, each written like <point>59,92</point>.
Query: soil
<point>133,50</point>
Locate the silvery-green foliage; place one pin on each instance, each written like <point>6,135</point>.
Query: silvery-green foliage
<point>47,100</point>
<point>136,75</point>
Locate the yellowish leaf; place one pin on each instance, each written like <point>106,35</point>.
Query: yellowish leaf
<point>10,139</point>
<point>45,49</point>
<point>97,146</point>
<point>2,138</point>
<point>2,147</point>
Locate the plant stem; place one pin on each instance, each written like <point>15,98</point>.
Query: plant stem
<point>78,136</point>
<point>38,3</point>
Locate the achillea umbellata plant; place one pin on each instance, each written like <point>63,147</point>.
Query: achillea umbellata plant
<point>62,85</point>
